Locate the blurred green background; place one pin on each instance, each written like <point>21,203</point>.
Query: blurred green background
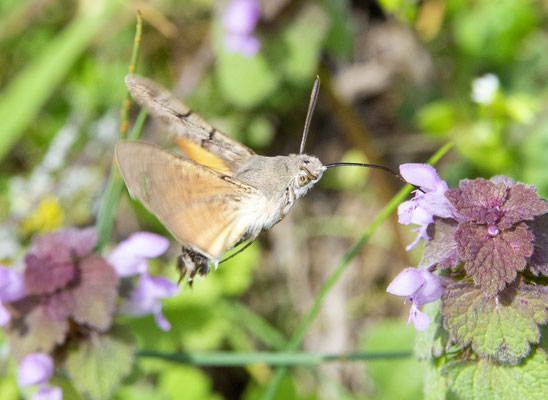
<point>399,79</point>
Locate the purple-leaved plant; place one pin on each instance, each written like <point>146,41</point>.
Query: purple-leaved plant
<point>488,239</point>
<point>63,303</point>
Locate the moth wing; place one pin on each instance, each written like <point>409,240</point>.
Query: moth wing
<point>185,124</point>
<point>201,208</point>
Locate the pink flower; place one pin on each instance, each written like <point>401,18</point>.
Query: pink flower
<point>130,256</point>
<point>239,21</point>
<point>37,369</point>
<point>426,204</point>
<point>419,287</point>
<point>145,299</point>
<point>12,288</point>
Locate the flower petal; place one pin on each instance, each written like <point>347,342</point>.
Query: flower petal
<point>12,285</point>
<point>162,322</point>
<point>420,319</point>
<point>158,287</point>
<point>129,257</point>
<point>405,211</point>
<point>422,175</point>
<point>48,393</point>
<point>247,45</point>
<point>5,316</point>
<point>145,299</point>
<point>406,283</point>
<point>431,290</point>
<point>35,369</point>
<point>241,16</point>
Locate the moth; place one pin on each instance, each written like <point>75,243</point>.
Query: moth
<point>219,193</point>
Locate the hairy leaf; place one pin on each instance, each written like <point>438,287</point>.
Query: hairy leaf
<point>98,365</point>
<point>478,200</point>
<point>45,275</point>
<point>441,249</point>
<point>92,300</point>
<point>498,327</point>
<point>539,259</point>
<point>39,330</point>
<point>66,243</point>
<point>432,341</point>
<point>521,204</point>
<point>484,379</point>
<point>493,261</point>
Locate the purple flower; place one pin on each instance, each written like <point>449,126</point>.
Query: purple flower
<point>426,204</point>
<point>37,369</point>
<point>145,299</point>
<point>12,288</point>
<point>239,21</point>
<point>48,393</point>
<point>419,287</point>
<point>130,256</point>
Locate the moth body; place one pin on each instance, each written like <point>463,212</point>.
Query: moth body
<point>216,195</point>
<point>281,180</point>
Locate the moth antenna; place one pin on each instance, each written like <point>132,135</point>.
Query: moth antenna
<point>345,164</point>
<point>235,254</point>
<point>311,107</point>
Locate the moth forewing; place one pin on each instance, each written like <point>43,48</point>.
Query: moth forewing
<point>185,124</point>
<point>200,207</point>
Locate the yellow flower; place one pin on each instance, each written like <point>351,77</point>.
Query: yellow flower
<point>47,217</point>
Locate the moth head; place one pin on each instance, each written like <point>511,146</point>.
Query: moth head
<point>309,170</point>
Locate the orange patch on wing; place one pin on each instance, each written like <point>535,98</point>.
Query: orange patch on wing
<point>202,156</point>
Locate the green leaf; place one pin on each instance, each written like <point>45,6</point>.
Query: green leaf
<point>504,22</point>
<point>245,82</point>
<point>500,327</point>
<point>8,387</point>
<point>40,329</point>
<point>303,40</point>
<point>436,386</point>
<point>437,117</point>
<point>484,379</point>
<point>431,342</point>
<point>185,382</point>
<point>98,364</point>
<point>139,391</point>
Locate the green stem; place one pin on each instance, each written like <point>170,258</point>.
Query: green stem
<point>230,359</point>
<point>297,338</point>
<point>113,192</point>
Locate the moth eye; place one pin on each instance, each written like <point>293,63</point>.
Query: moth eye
<point>303,180</point>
